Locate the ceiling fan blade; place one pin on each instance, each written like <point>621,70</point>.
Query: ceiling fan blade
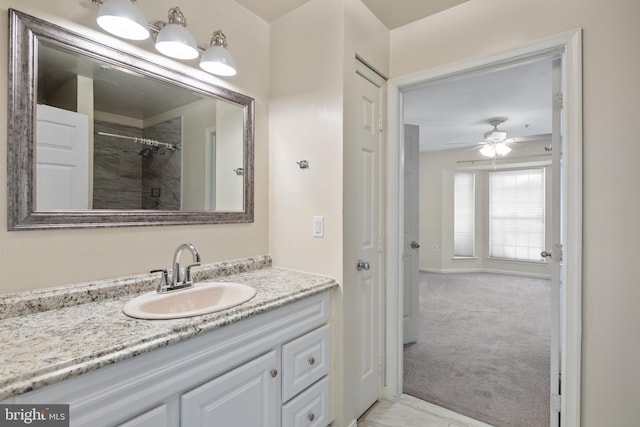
<point>530,138</point>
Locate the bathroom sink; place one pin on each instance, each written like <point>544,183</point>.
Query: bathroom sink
<point>203,298</point>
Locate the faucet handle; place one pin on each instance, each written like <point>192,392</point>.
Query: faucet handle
<point>187,273</point>
<point>164,283</point>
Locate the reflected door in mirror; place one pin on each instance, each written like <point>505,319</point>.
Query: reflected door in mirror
<point>62,160</point>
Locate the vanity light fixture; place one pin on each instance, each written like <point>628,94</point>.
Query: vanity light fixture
<point>174,39</point>
<point>217,59</point>
<point>123,19</point>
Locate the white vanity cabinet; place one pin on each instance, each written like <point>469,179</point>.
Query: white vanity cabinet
<point>269,370</point>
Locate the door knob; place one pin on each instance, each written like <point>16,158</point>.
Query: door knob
<point>415,245</point>
<point>362,265</point>
<point>545,254</point>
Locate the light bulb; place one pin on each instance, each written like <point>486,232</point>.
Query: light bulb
<point>123,19</point>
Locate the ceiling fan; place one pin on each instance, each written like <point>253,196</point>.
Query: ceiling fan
<point>496,142</point>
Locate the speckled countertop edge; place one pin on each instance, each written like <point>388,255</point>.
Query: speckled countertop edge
<point>79,338</point>
<point>39,300</point>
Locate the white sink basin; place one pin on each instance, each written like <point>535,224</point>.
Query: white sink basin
<point>203,298</point>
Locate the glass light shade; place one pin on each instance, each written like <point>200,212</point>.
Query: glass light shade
<point>123,19</point>
<point>491,150</point>
<point>176,41</point>
<point>488,150</point>
<point>502,149</point>
<point>217,60</point>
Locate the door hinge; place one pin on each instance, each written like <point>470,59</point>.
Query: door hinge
<point>556,402</point>
<point>557,252</point>
<point>557,101</point>
<point>380,127</point>
<point>380,365</point>
<point>380,246</point>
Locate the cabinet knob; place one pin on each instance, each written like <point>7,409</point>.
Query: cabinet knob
<point>312,361</point>
<point>274,373</point>
<point>311,417</point>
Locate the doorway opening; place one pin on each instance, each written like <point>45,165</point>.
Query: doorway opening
<point>480,340</point>
<point>565,47</point>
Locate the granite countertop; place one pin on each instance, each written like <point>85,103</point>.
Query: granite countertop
<point>59,333</point>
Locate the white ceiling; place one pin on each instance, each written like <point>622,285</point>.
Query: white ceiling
<point>453,114</point>
<point>392,13</point>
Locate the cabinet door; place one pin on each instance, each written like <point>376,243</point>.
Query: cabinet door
<point>156,417</point>
<point>246,396</point>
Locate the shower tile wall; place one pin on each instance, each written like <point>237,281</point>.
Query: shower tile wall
<point>117,168</point>
<point>162,171</point>
<point>125,179</point>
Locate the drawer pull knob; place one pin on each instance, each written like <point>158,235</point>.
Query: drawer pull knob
<point>311,417</point>
<point>312,361</point>
<point>274,373</point>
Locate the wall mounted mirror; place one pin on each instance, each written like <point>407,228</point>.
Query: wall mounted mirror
<point>99,138</point>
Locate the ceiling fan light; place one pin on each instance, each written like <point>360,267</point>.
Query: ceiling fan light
<point>502,149</point>
<point>123,19</point>
<point>488,150</point>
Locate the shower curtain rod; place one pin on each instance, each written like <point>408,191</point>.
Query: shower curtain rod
<point>143,141</point>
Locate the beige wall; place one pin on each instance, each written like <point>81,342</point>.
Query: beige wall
<point>437,170</point>
<point>312,97</point>
<point>611,66</point>
<point>305,123</point>
<point>36,259</point>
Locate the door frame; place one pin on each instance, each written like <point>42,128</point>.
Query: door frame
<point>570,44</point>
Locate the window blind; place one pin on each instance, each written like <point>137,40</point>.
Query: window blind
<point>464,214</point>
<point>516,214</point>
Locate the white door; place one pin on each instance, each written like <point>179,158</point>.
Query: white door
<point>410,256</point>
<point>62,159</point>
<point>369,367</point>
<point>554,254</point>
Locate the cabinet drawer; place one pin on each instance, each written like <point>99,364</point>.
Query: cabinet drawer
<point>310,408</point>
<point>304,361</point>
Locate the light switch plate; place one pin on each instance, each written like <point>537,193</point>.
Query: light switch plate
<point>318,226</point>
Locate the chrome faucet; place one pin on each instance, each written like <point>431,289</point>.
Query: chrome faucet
<point>176,275</point>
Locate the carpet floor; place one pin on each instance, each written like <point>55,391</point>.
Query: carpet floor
<point>483,349</point>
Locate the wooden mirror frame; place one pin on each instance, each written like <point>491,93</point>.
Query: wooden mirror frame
<point>24,33</point>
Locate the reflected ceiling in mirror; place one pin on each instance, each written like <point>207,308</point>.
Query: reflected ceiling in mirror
<point>99,137</point>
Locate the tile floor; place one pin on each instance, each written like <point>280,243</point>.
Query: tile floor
<point>407,411</point>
